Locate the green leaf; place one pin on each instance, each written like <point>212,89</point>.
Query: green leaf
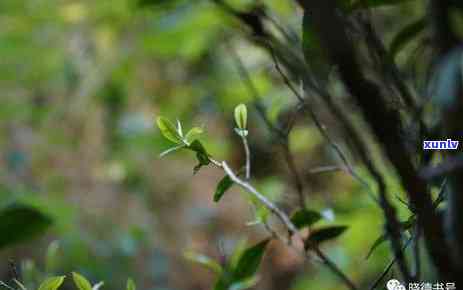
<point>305,218</point>
<point>224,184</point>
<point>238,251</point>
<point>172,149</point>
<point>193,134</point>
<point>381,239</point>
<point>21,222</point>
<point>241,116</point>
<point>244,284</point>
<point>204,260</point>
<point>201,154</point>
<point>249,261</point>
<point>328,233</point>
<point>81,282</point>
<point>52,283</point>
<point>131,285</point>
<point>406,35</point>
<point>168,130</point>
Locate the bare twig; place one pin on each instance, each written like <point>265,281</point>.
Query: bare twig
<point>388,268</point>
<point>267,203</point>
<point>325,169</point>
<point>321,128</point>
<point>248,156</point>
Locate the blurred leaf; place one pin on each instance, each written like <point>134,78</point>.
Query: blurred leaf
<point>249,261</point>
<point>237,253</point>
<point>224,184</point>
<point>168,130</point>
<point>244,284</point>
<point>205,261</point>
<point>51,258</point>
<point>131,285</point>
<point>328,233</point>
<point>81,282</point>
<point>243,265</point>
<point>406,35</point>
<point>193,133</point>
<point>305,218</point>
<point>21,222</point>
<point>381,239</point>
<point>98,285</point>
<point>52,283</point>
<point>409,223</point>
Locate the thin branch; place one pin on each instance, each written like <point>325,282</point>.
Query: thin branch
<point>321,128</point>
<point>388,267</point>
<point>266,202</point>
<point>248,157</point>
<point>6,285</point>
<point>334,268</point>
<point>288,224</point>
<point>392,224</point>
<point>326,169</point>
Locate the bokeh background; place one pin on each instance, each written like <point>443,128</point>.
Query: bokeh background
<point>81,85</point>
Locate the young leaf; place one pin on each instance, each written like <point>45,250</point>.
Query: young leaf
<point>205,261</point>
<point>381,239</point>
<point>81,282</point>
<point>179,128</point>
<point>52,283</point>
<point>172,149</point>
<point>131,285</point>
<point>249,261</point>
<point>305,218</point>
<point>222,187</point>
<point>168,130</point>
<point>328,233</point>
<point>21,222</point>
<point>241,116</point>
<point>193,134</point>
